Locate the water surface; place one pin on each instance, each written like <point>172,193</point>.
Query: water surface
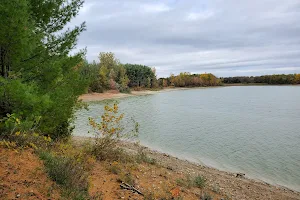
<point>253,129</point>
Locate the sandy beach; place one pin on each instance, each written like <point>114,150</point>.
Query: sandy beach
<point>113,94</point>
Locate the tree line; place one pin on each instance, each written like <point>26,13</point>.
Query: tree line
<point>276,79</point>
<point>186,79</point>
<point>110,74</point>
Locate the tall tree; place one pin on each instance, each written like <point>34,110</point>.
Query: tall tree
<point>38,77</point>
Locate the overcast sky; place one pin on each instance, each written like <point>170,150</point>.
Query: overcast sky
<point>224,37</point>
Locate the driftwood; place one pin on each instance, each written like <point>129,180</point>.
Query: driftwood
<point>130,187</point>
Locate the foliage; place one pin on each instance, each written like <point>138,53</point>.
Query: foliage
<point>187,79</point>
<point>69,173</point>
<point>143,157</point>
<point>21,136</point>
<point>277,79</point>
<point>199,181</point>
<point>141,76</point>
<point>109,73</point>
<point>189,182</point>
<point>109,132</point>
<point>38,77</point>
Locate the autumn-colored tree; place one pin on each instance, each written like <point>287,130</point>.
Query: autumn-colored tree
<point>297,78</point>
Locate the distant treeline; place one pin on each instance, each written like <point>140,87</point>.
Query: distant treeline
<point>110,74</point>
<point>266,79</point>
<point>187,79</point>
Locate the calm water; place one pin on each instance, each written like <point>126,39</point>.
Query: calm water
<point>253,129</point>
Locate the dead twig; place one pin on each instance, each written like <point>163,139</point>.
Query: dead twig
<point>126,186</point>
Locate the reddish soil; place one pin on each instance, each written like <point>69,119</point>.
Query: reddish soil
<point>22,176</point>
<point>147,178</point>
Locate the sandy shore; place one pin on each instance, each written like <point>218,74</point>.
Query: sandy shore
<point>113,94</point>
<point>228,184</point>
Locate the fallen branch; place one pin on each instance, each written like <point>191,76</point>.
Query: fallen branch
<point>130,187</point>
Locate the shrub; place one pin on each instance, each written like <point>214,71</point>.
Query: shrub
<point>67,172</point>
<point>143,157</point>
<point>199,181</point>
<point>109,132</point>
<point>114,168</point>
<point>187,182</point>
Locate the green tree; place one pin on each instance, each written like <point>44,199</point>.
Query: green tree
<point>140,75</point>
<point>39,80</point>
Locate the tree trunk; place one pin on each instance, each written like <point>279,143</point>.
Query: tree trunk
<point>3,63</point>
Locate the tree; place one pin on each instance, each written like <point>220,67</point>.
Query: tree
<point>140,76</point>
<point>297,78</point>
<point>39,79</point>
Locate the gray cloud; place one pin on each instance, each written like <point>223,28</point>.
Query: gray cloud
<point>225,37</point>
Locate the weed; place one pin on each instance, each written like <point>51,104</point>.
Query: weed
<point>127,178</point>
<point>187,182</point>
<point>114,168</point>
<point>216,188</point>
<point>199,181</point>
<point>67,172</point>
<point>143,157</point>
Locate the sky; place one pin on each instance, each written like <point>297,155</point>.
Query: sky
<point>223,37</point>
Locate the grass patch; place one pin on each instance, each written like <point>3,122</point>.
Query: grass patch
<point>71,174</point>
<point>199,181</point>
<point>189,182</point>
<point>143,157</point>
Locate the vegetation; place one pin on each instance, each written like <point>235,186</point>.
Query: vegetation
<point>108,132</point>
<point>109,73</point>
<point>141,76</point>
<point>40,82</point>
<point>69,173</point>
<point>187,79</point>
<point>189,182</point>
<point>276,79</point>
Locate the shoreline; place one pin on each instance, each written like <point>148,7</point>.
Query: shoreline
<point>113,94</point>
<point>227,182</point>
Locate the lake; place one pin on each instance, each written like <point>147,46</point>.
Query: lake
<point>249,129</point>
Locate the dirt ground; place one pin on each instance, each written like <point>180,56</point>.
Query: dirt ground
<point>22,176</point>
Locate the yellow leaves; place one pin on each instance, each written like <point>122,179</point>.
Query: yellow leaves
<point>8,144</point>
<point>17,133</point>
<point>110,122</point>
<point>47,139</point>
<point>297,79</point>
<point>33,145</point>
<point>35,135</point>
